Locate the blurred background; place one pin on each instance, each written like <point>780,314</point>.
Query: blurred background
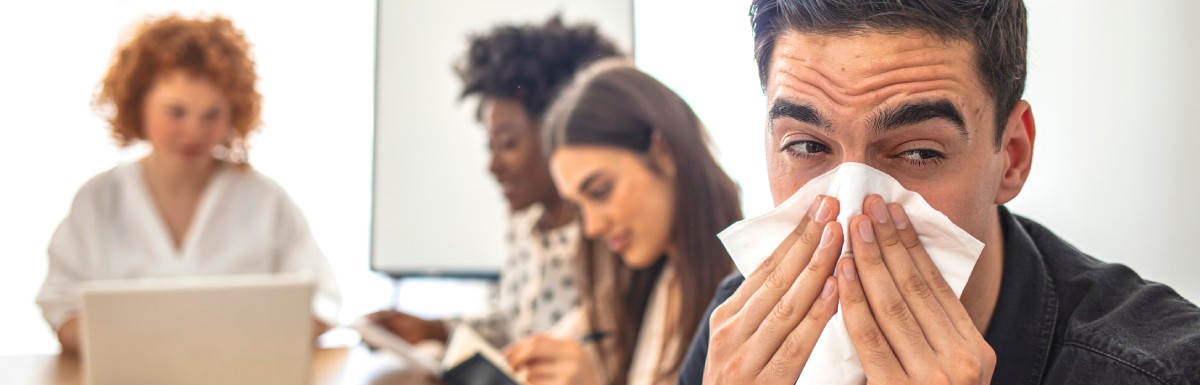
<point>1113,86</point>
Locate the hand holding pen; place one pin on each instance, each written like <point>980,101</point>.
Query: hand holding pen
<point>545,360</point>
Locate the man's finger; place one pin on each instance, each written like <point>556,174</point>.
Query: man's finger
<point>756,278</point>
<point>792,354</point>
<point>874,353</point>
<point>916,292</point>
<point>797,304</point>
<point>779,280</point>
<point>933,277</point>
<point>891,311</point>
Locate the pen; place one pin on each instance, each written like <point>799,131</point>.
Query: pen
<point>595,336</point>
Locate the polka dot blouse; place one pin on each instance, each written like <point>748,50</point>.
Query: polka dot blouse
<point>537,282</point>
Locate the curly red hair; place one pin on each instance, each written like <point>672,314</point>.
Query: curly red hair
<point>209,48</point>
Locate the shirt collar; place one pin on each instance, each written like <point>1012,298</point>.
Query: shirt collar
<point>525,221</point>
<point>1022,327</point>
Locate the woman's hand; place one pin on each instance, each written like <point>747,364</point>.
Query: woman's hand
<point>410,328</point>
<point>550,361</point>
<point>69,336</point>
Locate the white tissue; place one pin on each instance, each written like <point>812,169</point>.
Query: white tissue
<point>954,251</point>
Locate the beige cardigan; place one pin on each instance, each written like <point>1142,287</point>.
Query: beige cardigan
<point>649,356</point>
<point>653,348</point>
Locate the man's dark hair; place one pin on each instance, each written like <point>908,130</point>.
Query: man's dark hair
<point>530,63</point>
<point>995,29</point>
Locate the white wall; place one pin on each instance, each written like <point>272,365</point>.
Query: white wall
<point>315,65</point>
<point>1114,91</point>
<point>1113,86</point>
<point>52,145</point>
<point>704,51</point>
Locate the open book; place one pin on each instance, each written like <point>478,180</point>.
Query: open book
<point>468,358</point>
<point>378,336</point>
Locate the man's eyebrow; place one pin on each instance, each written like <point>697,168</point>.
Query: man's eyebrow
<point>799,112</point>
<point>891,118</point>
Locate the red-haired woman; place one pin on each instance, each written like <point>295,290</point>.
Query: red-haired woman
<point>193,206</point>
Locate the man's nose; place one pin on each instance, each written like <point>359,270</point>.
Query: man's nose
<point>856,156</point>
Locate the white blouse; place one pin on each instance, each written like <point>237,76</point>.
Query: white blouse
<point>244,224</point>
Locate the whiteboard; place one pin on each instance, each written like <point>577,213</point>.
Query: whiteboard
<point>435,208</point>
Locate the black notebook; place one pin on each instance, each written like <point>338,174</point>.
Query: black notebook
<point>470,360</point>
<point>476,371</point>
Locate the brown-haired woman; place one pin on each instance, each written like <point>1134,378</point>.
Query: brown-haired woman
<point>636,160</point>
<point>193,206</point>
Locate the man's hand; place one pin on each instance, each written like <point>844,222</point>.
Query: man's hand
<point>550,361</point>
<point>904,319</point>
<point>411,329</point>
<point>765,332</point>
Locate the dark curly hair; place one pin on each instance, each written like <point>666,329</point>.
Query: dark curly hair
<point>530,63</point>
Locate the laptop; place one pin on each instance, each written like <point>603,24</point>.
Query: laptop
<point>250,329</point>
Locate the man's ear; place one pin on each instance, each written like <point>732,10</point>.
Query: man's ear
<point>660,156</point>
<point>1016,146</point>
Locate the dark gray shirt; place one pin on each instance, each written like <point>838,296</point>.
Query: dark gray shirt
<point>1063,317</point>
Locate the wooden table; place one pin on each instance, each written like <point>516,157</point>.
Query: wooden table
<point>331,366</point>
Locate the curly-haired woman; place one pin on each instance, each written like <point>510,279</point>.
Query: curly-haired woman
<point>516,71</point>
<point>193,206</point>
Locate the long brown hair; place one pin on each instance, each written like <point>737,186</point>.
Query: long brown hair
<point>613,104</point>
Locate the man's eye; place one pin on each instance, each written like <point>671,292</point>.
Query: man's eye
<point>922,157</point>
<point>806,148</point>
<point>175,112</point>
